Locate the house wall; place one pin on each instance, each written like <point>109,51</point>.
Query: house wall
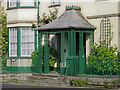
<point>93,12</point>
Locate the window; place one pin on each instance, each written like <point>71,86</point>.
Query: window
<point>12,3</point>
<point>55,2</point>
<point>21,3</point>
<point>105,31</point>
<point>26,2</point>
<point>27,42</point>
<point>13,42</point>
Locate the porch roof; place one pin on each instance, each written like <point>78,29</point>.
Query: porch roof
<point>71,18</point>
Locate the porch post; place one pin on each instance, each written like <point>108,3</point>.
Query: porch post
<point>74,43</point>
<point>40,53</point>
<point>46,54</point>
<point>69,43</point>
<point>81,54</point>
<point>62,64</point>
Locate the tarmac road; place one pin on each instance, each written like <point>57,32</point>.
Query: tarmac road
<point>16,87</point>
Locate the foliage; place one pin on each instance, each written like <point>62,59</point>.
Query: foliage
<point>52,58</point>
<point>32,83</point>
<point>4,36</point>
<point>4,63</point>
<point>103,60</point>
<point>14,80</point>
<point>99,50</point>
<point>111,85</point>
<point>45,19</point>
<point>78,82</point>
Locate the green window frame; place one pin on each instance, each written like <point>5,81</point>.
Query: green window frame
<point>55,2</point>
<point>27,41</point>
<point>12,45</point>
<point>17,36</point>
<point>17,3</point>
<point>105,31</point>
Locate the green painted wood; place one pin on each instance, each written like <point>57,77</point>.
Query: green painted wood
<point>73,7</point>
<point>18,69</point>
<point>35,40</point>
<point>74,43</point>
<point>62,64</point>
<point>8,42</point>
<point>38,18</point>
<point>18,3</point>
<point>40,53</point>
<point>69,43</point>
<point>58,52</point>
<point>7,3</point>
<point>18,42</point>
<point>46,54</point>
<point>81,54</point>
<point>35,3</point>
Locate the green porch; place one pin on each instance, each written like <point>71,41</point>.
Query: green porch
<point>71,30</point>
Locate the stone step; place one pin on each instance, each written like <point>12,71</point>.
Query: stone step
<point>51,79</point>
<point>45,79</point>
<point>48,75</point>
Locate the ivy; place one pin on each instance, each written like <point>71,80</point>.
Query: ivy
<point>3,33</point>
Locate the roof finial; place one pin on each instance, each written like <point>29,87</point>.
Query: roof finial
<point>73,7</point>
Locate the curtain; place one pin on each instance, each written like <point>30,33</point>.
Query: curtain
<point>27,42</point>
<point>13,42</point>
<point>12,3</point>
<point>26,2</point>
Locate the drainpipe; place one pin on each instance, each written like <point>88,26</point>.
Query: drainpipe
<point>38,12</point>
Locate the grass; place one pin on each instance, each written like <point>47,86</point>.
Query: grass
<point>32,83</point>
<point>14,80</point>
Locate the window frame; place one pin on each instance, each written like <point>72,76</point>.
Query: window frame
<point>55,3</point>
<point>27,42</point>
<point>18,4</point>
<point>9,49</point>
<point>19,42</point>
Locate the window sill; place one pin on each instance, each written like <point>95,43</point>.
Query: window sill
<point>19,8</point>
<point>55,5</point>
<point>17,57</point>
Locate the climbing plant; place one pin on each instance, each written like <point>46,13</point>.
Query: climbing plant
<point>45,19</point>
<point>3,33</point>
<point>3,38</point>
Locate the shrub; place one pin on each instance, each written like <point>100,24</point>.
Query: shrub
<point>52,59</point>
<point>111,85</point>
<point>103,60</point>
<point>78,82</point>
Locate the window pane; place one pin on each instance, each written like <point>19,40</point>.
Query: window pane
<point>55,2</point>
<point>13,42</point>
<point>26,2</point>
<point>27,42</point>
<point>12,3</point>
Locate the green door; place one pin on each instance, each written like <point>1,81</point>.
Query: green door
<point>81,51</point>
